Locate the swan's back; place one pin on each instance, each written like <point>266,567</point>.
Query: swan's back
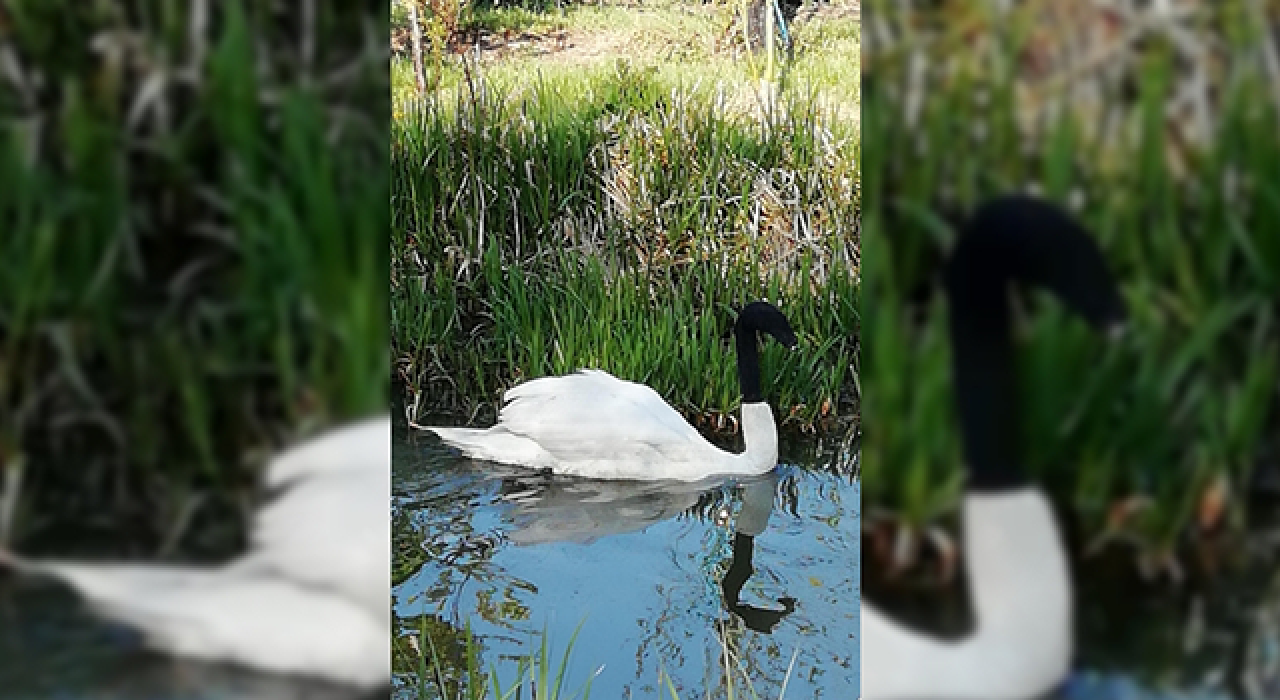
<point>329,525</point>
<point>595,424</point>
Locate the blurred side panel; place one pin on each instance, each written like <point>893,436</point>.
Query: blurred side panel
<point>1155,124</point>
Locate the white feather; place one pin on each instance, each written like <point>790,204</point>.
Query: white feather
<point>310,596</point>
<point>593,424</point>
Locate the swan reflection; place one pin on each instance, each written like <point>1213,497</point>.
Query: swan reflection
<point>757,504</point>
<point>545,507</point>
<point>554,508</point>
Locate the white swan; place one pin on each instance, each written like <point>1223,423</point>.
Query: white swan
<point>1022,642</point>
<point>595,425</point>
<point>311,595</point>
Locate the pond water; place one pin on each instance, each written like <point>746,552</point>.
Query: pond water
<point>640,570</point>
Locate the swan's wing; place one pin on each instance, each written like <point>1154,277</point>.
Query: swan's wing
<point>359,447</point>
<point>592,414</point>
<point>329,527</point>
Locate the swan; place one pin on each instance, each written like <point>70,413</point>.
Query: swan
<point>309,598</point>
<point>1022,641</point>
<point>593,424</point>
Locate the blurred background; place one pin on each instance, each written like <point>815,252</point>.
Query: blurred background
<point>1156,124</point>
<point>193,258</point>
<point>604,184</point>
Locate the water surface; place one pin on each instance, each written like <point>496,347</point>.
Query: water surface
<point>639,570</point>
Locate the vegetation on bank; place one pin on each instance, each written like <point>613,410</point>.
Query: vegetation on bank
<point>614,215</point>
<point>192,260</point>
<point>678,40</point>
<point>1167,152</point>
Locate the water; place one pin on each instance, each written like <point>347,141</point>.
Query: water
<point>641,567</point>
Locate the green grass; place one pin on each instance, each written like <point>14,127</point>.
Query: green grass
<point>193,269</point>
<point>680,43</point>
<point>609,219</point>
<point>1187,398</point>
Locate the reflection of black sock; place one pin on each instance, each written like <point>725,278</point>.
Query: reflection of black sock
<point>762,620</point>
<point>739,569</point>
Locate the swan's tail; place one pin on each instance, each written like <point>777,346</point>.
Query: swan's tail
<point>114,588</point>
<point>494,445</point>
<point>231,615</point>
<point>141,597</point>
<point>469,440</point>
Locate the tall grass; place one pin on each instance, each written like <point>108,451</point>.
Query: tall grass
<point>1174,415</point>
<point>609,219</point>
<point>192,260</point>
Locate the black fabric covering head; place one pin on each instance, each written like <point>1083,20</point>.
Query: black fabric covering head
<point>1014,239</point>
<point>757,317</point>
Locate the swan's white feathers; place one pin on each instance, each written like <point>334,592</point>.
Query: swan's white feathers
<point>261,622</point>
<point>348,554</point>
<point>363,447</point>
<point>310,597</point>
<point>593,424</point>
<point>581,415</point>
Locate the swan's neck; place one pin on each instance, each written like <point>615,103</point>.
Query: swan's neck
<point>761,437</point>
<point>758,428</point>
<point>985,381</point>
<point>748,362</point>
<point>1021,588</point>
<point>1018,574</point>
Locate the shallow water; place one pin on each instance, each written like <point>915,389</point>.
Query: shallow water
<point>640,567</point>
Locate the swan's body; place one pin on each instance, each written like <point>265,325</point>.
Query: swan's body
<point>592,424</point>
<point>309,598</point>
<point>1021,644</point>
<point>595,425</point>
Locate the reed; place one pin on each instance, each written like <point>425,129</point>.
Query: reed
<point>192,260</point>
<point>449,669</point>
<point>612,218</point>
